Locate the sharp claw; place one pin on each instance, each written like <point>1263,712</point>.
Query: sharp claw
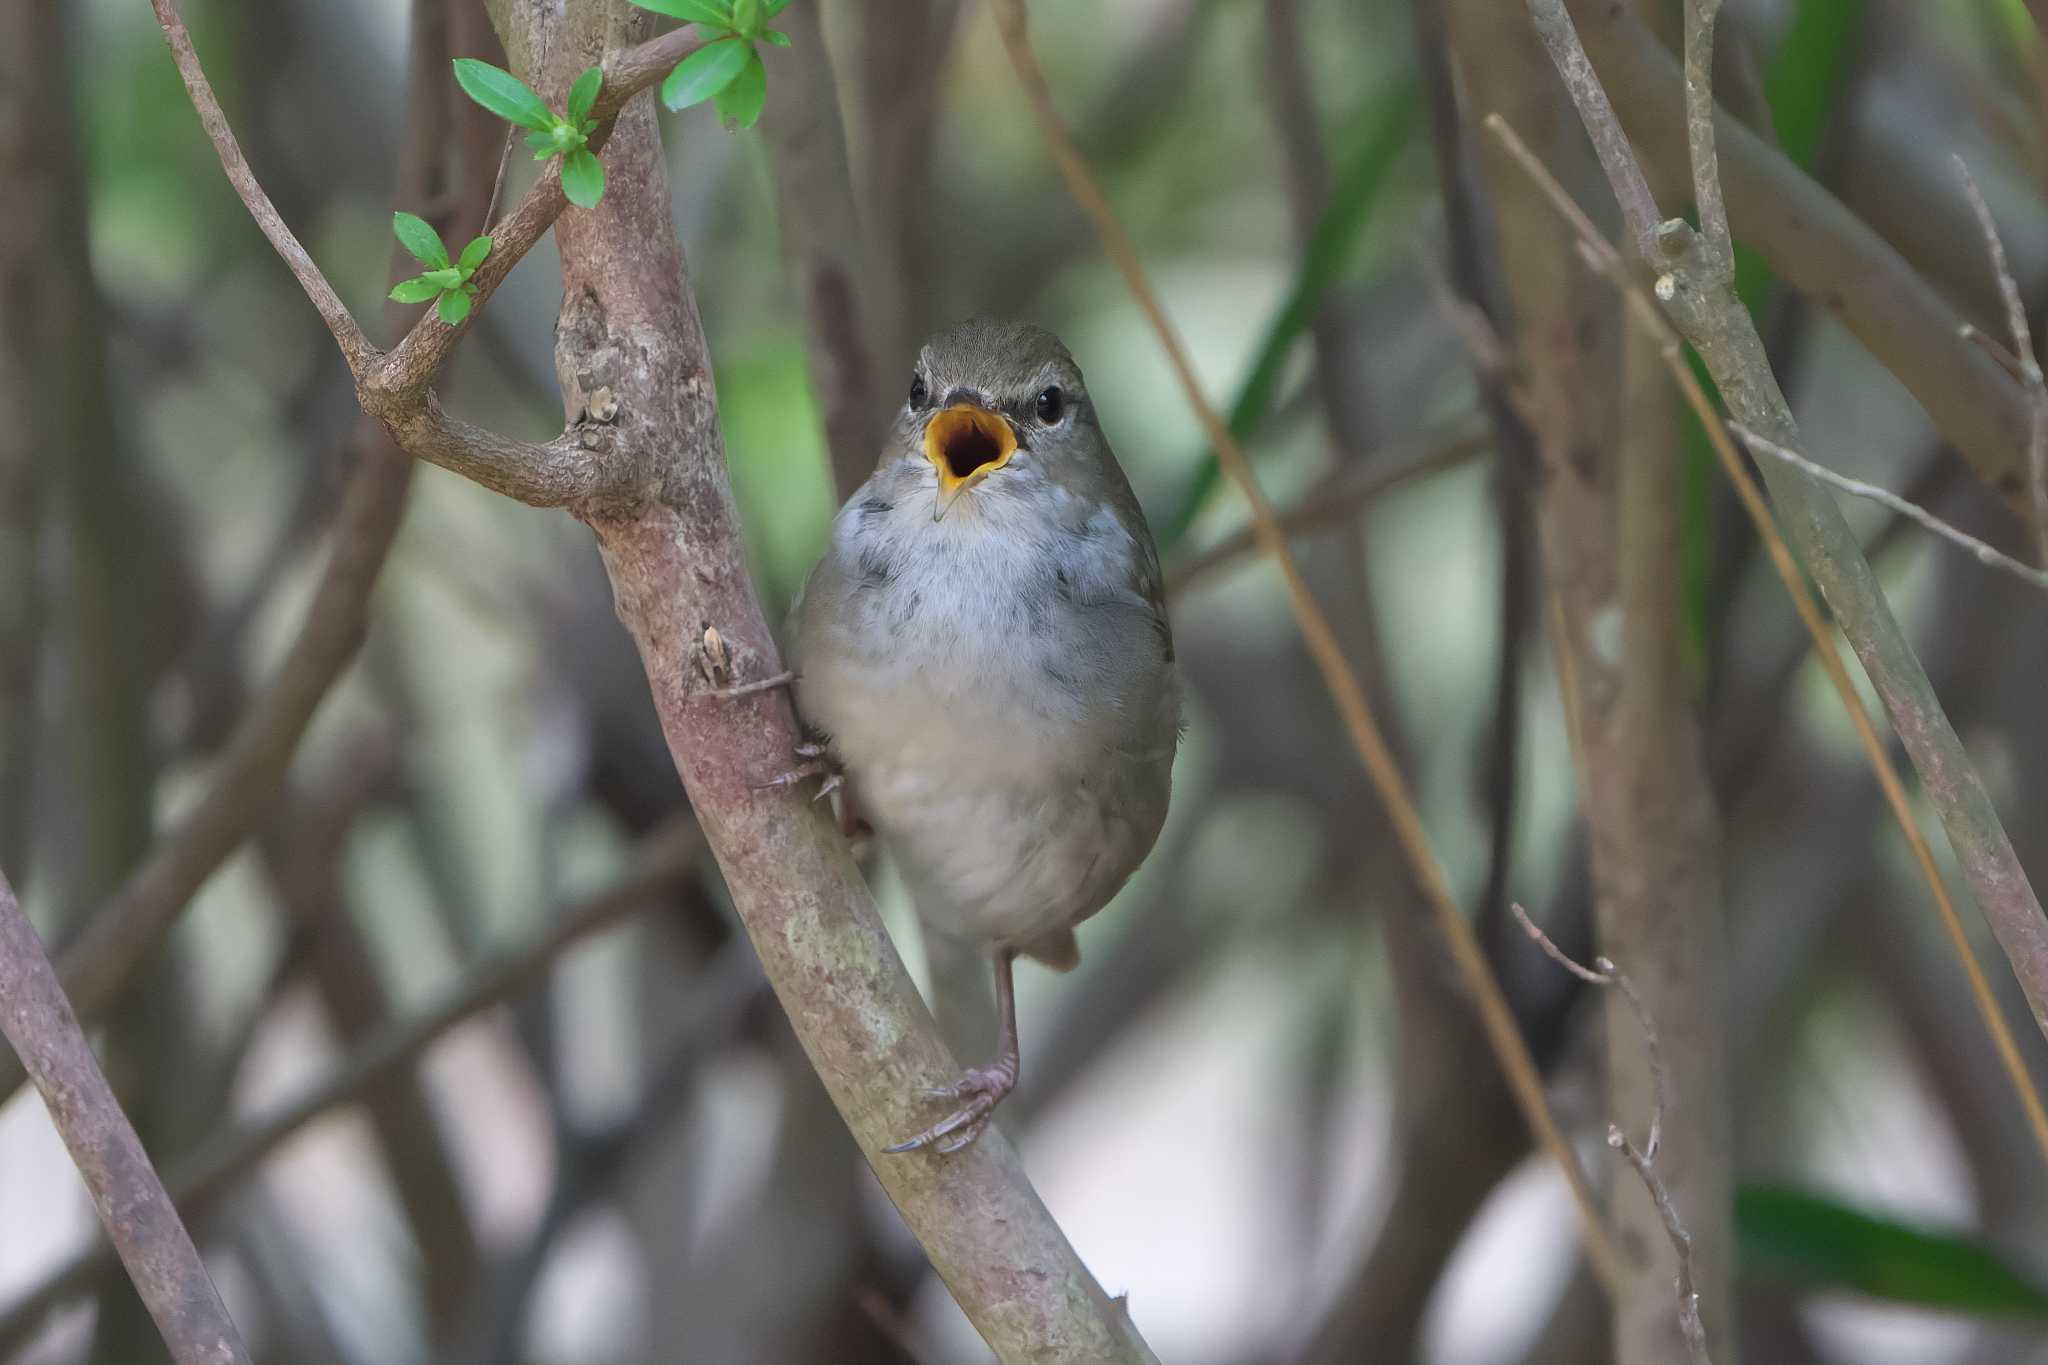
<point>963,1140</point>
<point>982,1090</point>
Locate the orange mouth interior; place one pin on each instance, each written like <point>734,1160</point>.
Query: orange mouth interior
<point>965,439</point>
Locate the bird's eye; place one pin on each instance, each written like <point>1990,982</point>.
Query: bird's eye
<point>917,391</point>
<point>1051,403</point>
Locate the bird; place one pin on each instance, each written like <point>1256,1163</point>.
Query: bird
<point>983,657</point>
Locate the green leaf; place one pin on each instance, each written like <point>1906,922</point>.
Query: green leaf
<point>1793,1234</point>
<point>542,145</point>
<point>418,289</point>
<point>473,255</point>
<point>704,73</point>
<point>583,94</point>
<point>453,307</point>
<point>691,11</point>
<point>1388,127</point>
<point>775,36</point>
<point>417,236</point>
<point>771,8</point>
<point>746,16</point>
<point>583,178</point>
<point>445,278</point>
<point>503,93</point>
<point>739,104</point>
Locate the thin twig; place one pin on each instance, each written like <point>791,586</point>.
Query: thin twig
<point>355,347</point>
<point>1984,554</point>
<point>1638,206</point>
<point>1339,496</point>
<point>395,387</point>
<point>1819,246</point>
<point>199,1179</point>
<point>1643,1160</point>
<point>1607,262</point>
<point>1693,286</point>
<point>1495,1014</point>
<point>130,1200</point>
<point>2027,360</point>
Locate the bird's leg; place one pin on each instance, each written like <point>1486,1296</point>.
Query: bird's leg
<point>983,1087</point>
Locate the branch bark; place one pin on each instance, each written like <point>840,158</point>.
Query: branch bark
<point>1815,244</point>
<point>1696,286</point>
<point>126,1193</point>
<point>1607,512</point>
<point>651,483</point>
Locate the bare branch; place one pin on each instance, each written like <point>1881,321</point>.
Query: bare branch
<point>1820,247</point>
<point>2027,360</point>
<point>198,1181</point>
<point>395,388</point>
<point>1345,690</point>
<point>1643,1160</point>
<point>821,244</point>
<point>1984,554</point>
<point>1608,263</point>
<point>1340,495</point>
<point>1694,290</point>
<point>1699,119</point>
<point>1638,207</point>
<point>126,1193</point>
<point>355,347</point>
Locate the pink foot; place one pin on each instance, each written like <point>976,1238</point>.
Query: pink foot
<point>983,1088</point>
<point>814,760</point>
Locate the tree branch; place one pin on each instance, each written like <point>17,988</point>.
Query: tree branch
<point>198,1180</point>
<point>821,244</point>
<point>1695,286</point>
<point>1984,554</point>
<point>1608,262</point>
<point>2027,360</point>
<point>1342,682</point>
<point>1815,244</point>
<point>355,347</point>
<point>126,1193</point>
<point>1339,496</point>
<point>1642,1159</point>
<point>395,387</point>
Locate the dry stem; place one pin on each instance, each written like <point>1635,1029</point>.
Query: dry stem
<point>1508,1044</point>
<point>1606,261</point>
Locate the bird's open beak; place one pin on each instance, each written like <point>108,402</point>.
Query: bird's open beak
<point>965,442</point>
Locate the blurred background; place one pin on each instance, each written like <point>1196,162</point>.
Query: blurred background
<point>1260,1107</point>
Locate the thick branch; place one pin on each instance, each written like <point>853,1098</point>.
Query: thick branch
<point>126,1193</point>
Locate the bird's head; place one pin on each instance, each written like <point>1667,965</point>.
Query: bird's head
<point>996,404</point>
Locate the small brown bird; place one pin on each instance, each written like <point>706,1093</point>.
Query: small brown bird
<point>986,646</point>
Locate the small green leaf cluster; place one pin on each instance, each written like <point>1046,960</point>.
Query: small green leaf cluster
<point>449,282</point>
<point>566,135</point>
<point>727,70</point>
